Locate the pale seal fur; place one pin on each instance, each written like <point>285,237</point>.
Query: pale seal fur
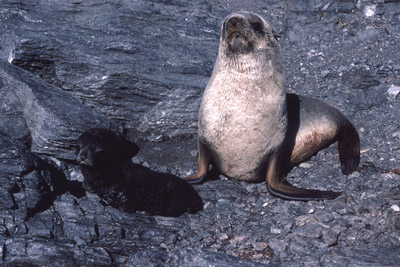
<point>249,128</point>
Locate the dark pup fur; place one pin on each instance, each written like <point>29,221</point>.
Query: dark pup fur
<point>105,161</point>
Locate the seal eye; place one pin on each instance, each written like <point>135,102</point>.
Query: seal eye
<point>257,27</point>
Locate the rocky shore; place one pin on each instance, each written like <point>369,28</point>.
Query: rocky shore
<point>140,67</point>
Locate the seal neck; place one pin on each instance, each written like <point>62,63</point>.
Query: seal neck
<point>256,71</point>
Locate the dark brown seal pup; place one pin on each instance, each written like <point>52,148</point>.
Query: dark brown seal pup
<point>105,161</point>
<point>250,129</point>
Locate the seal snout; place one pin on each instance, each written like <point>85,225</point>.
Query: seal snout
<point>81,158</point>
<point>236,34</point>
<point>84,157</point>
<point>242,32</point>
<point>234,21</point>
<point>233,24</point>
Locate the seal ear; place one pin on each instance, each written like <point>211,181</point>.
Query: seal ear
<point>130,149</point>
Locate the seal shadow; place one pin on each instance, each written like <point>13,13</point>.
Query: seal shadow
<point>293,115</point>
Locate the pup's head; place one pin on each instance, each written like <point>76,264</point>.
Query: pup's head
<point>100,148</point>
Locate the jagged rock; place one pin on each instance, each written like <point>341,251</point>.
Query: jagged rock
<point>29,184</point>
<point>54,119</point>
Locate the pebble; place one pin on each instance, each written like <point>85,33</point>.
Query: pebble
<point>395,207</point>
<point>278,246</point>
<point>260,246</point>
<point>311,229</point>
<point>325,73</point>
<point>330,237</point>
<point>396,134</point>
<point>393,91</point>
<point>369,11</point>
<point>305,165</point>
<point>298,249</point>
<point>275,231</point>
<point>222,236</point>
<point>304,219</point>
<point>146,164</point>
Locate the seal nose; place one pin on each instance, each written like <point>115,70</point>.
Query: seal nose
<point>234,22</point>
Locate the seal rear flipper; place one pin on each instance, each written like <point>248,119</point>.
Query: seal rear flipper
<point>196,179</point>
<point>349,147</point>
<point>278,185</point>
<point>289,192</point>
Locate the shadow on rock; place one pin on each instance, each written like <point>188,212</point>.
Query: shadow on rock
<point>105,161</point>
<point>30,183</point>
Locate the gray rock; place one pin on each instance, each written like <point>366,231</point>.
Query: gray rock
<point>356,257</point>
<point>330,237</point>
<point>393,91</point>
<point>54,119</point>
<point>278,246</point>
<point>30,184</point>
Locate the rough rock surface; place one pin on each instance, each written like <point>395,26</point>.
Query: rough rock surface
<point>140,67</point>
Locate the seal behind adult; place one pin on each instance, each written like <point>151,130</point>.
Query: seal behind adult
<point>105,162</point>
<point>249,129</point>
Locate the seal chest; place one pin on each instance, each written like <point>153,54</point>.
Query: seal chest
<point>242,115</point>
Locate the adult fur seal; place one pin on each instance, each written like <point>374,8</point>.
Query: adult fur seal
<point>250,129</point>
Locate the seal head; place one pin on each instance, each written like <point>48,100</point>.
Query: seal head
<point>245,33</point>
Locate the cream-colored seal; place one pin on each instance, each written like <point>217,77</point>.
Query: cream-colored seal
<point>249,128</point>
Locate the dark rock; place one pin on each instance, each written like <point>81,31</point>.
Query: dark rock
<point>54,119</point>
<point>30,184</point>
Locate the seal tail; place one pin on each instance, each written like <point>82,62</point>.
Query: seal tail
<point>349,147</point>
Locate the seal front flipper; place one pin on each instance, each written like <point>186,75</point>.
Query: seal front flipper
<point>349,147</point>
<point>203,164</point>
<point>278,185</point>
